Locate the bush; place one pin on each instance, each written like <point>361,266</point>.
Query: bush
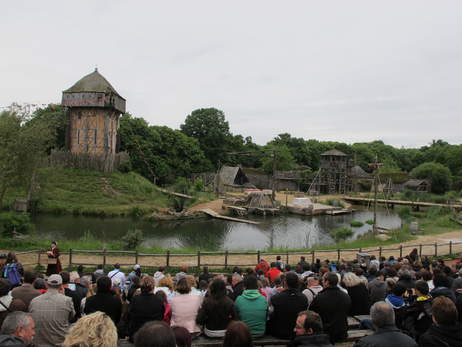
<point>438,211</point>
<point>341,234</point>
<point>11,222</point>
<point>438,174</point>
<point>199,185</point>
<point>404,212</point>
<point>357,224</point>
<point>370,222</point>
<point>132,238</point>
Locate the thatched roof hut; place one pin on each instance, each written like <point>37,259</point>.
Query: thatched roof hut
<point>232,178</point>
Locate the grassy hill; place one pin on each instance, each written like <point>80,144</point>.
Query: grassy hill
<point>90,192</point>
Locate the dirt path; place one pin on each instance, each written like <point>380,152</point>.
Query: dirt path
<point>245,260</point>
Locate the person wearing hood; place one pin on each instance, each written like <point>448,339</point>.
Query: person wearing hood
<point>442,285</point>
<point>252,307</point>
<point>377,288</point>
<point>446,330</point>
<point>417,317</point>
<point>457,288</point>
<point>396,300</point>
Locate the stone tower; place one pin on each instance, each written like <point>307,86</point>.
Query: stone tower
<point>93,110</point>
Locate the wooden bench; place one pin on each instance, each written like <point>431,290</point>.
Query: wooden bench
<point>258,341</point>
<point>356,334</point>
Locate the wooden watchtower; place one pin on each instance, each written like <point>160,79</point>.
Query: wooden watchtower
<point>93,110</point>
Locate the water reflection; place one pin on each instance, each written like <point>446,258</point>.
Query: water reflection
<point>288,231</point>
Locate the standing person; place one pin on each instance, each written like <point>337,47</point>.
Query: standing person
<point>309,331</point>
<point>144,307</point>
<point>13,270</point>
<point>54,253</point>
<point>135,273</point>
<point>287,305</point>
<point>273,272</point>
<point>206,275</point>
<point>333,306</point>
<point>217,310</point>
<point>263,266</point>
<point>185,307</point>
<point>26,292</point>
<point>252,307</point>
<point>386,334</point>
<point>280,265</point>
<point>52,313</point>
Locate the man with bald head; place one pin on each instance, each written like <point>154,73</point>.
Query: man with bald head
<point>386,334</point>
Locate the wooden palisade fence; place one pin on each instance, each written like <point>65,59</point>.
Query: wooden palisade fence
<point>224,259</point>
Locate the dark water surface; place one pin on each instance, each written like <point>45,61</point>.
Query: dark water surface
<point>287,231</point>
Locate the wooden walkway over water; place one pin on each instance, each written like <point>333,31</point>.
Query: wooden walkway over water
<point>401,202</point>
<point>214,214</point>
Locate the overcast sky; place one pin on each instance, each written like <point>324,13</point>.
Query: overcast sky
<point>349,71</point>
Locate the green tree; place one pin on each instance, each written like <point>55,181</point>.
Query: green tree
<point>23,147</point>
<point>283,161</point>
<point>209,127</point>
<point>439,175</point>
<point>159,153</point>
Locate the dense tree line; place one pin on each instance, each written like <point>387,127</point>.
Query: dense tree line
<point>204,143</point>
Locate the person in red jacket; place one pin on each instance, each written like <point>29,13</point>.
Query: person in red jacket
<point>273,273</point>
<point>263,266</point>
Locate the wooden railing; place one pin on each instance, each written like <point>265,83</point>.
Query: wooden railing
<point>227,259</point>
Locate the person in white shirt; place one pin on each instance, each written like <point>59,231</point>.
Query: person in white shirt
<point>312,289</point>
<point>117,277</point>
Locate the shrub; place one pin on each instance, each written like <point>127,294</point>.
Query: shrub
<point>132,238</point>
<point>341,234</point>
<point>404,212</point>
<point>357,224</point>
<point>199,185</point>
<point>370,222</point>
<point>11,222</point>
<point>439,175</point>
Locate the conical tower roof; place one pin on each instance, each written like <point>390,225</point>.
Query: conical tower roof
<point>94,82</point>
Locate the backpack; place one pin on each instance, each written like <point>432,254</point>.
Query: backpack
<point>11,273</point>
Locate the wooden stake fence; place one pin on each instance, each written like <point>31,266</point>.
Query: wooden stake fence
<point>223,258</point>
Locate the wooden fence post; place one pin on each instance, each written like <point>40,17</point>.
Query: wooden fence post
<point>168,259</point>
<point>312,256</point>
<point>136,257</point>
<point>104,259</point>
<point>258,257</point>
<point>338,254</point>
<point>39,252</point>
<point>70,256</point>
<point>287,257</point>
<point>436,249</point>
<point>420,250</point>
<point>380,252</point>
<point>226,259</point>
<point>450,247</point>
<point>400,251</point>
<point>198,259</point>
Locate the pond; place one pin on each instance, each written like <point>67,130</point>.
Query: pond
<point>286,231</point>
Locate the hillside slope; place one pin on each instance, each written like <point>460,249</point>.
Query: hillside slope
<point>90,192</point>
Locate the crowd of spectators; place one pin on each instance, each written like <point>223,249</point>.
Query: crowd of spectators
<point>405,302</point>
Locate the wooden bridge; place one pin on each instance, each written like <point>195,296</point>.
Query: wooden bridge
<point>416,204</point>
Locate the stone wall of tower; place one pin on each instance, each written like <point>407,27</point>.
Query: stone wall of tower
<point>93,130</point>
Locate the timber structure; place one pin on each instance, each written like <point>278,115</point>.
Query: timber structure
<point>391,203</point>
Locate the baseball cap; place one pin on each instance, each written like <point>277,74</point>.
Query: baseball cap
<point>55,280</point>
<point>136,267</point>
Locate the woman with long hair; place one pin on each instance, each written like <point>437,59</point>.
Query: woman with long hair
<point>13,270</point>
<point>217,310</point>
<point>54,264</point>
<point>95,330</point>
